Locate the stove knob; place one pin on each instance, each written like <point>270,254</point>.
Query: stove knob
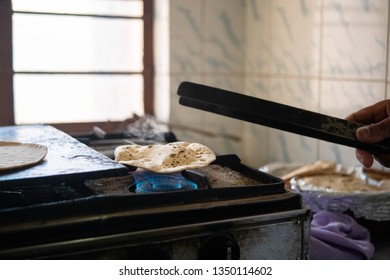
<point>220,247</point>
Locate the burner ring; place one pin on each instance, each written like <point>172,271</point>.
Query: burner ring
<point>164,183</point>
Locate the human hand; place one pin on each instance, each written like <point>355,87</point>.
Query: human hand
<point>376,120</point>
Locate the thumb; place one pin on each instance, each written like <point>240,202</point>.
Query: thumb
<point>374,133</point>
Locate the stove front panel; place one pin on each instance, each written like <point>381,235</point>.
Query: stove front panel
<point>283,235</point>
<point>281,240</point>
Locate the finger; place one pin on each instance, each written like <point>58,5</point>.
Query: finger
<point>371,114</point>
<point>375,132</point>
<point>365,158</point>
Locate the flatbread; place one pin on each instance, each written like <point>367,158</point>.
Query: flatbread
<point>338,183</point>
<point>165,158</point>
<point>324,176</point>
<point>16,155</point>
<point>318,167</point>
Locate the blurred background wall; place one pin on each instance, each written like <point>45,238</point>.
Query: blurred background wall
<point>328,56</point>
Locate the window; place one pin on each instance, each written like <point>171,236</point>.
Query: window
<point>81,62</point>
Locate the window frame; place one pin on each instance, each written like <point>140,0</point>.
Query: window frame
<point>7,73</point>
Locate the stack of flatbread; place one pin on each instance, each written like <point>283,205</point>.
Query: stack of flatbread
<point>165,158</point>
<point>316,168</point>
<point>329,177</point>
<point>334,187</point>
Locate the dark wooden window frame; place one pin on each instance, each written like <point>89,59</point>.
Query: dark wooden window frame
<point>7,72</point>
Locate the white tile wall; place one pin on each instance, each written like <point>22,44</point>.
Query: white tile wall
<point>295,37</point>
<point>354,42</point>
<point>329,56</point>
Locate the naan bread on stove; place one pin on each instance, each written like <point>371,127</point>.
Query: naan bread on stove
<point>16,155</point>
<point>165,158</point>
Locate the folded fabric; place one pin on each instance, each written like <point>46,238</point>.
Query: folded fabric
<point>337,236</point>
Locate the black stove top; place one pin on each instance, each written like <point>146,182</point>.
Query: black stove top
<point>67,159</point>
<point>68,197</point>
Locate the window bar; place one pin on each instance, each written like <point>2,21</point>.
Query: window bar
<point>6,72</point>
<point>78,15</point>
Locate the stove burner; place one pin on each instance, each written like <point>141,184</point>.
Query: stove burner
<point>148,182</point>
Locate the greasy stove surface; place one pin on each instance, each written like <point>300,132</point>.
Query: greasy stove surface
<point>67,158</point>
<point>224,180</point>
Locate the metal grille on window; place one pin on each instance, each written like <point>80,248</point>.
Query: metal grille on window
<point>77,60</point>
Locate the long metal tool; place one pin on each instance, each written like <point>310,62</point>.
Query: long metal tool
<point>275,115</point>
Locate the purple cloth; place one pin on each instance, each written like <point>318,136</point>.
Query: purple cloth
<point>337,236</point>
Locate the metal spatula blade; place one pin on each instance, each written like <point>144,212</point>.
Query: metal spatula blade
<point>275,115</point>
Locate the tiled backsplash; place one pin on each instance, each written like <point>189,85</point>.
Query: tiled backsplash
<point>328,56</point>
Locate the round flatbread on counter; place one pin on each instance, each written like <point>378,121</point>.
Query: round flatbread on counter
<point>16,155</point>
<point>165,158</point>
